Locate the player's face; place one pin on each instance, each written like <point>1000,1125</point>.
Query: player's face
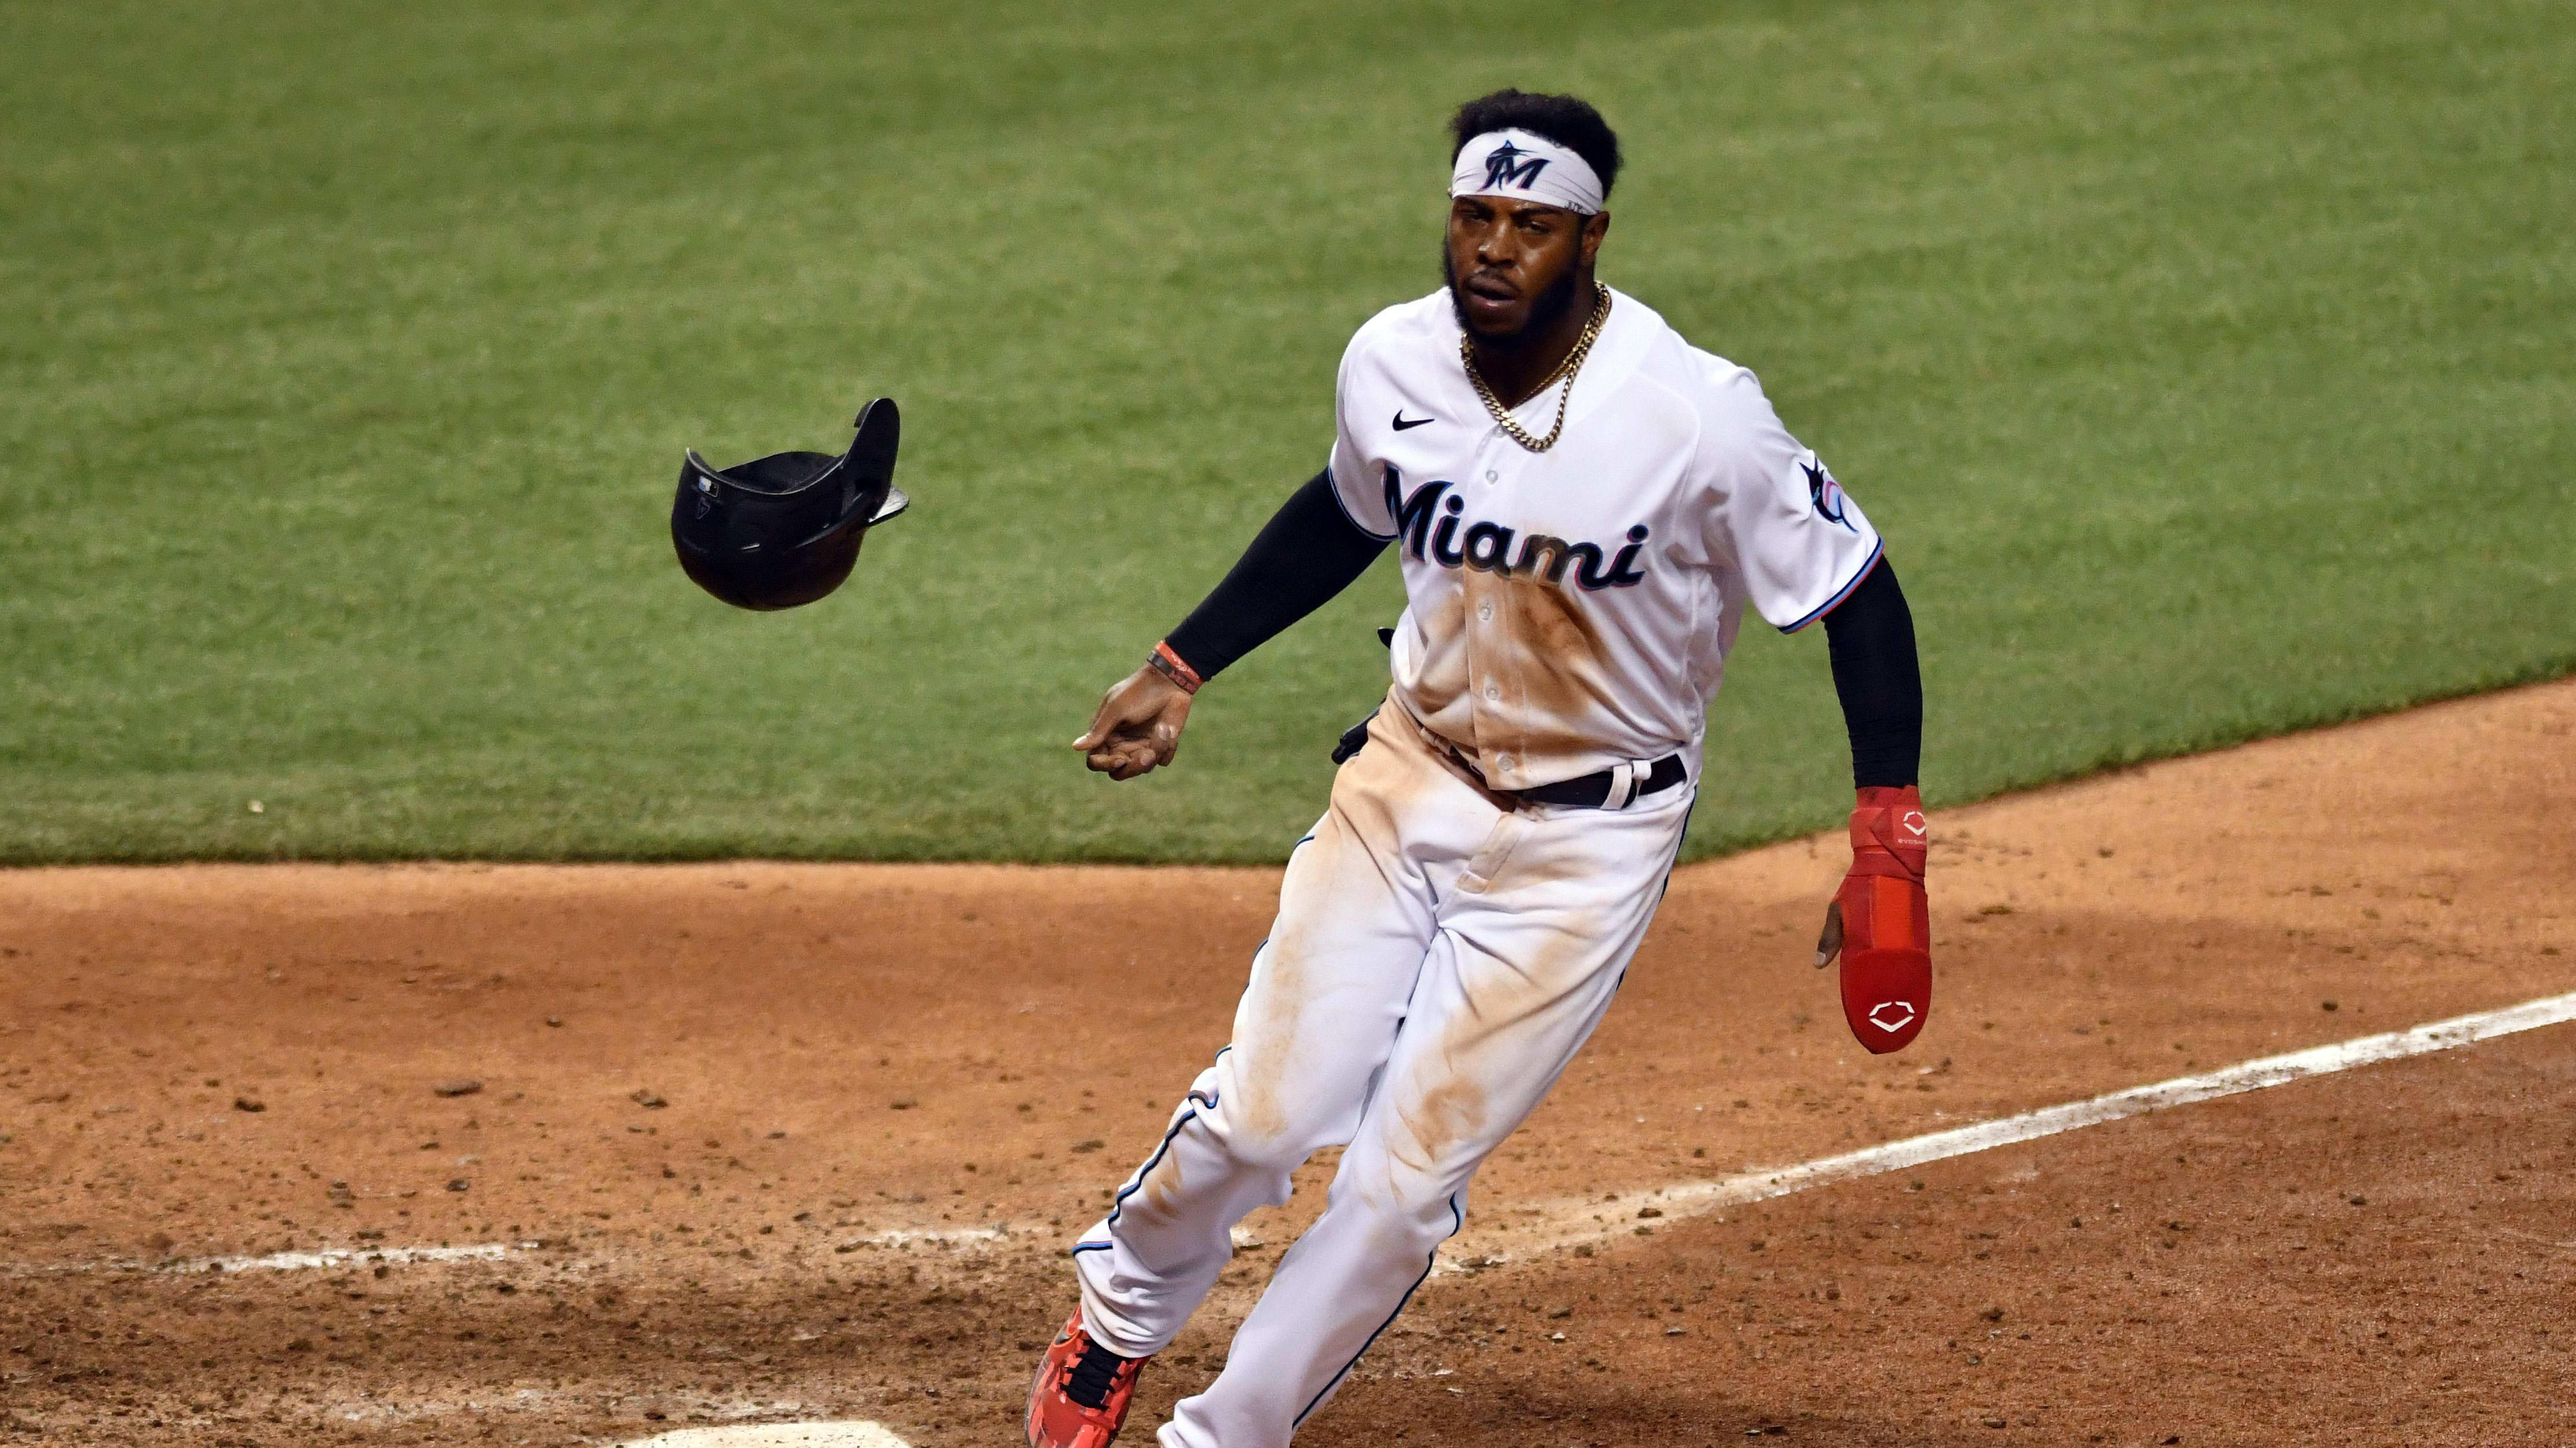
<point>1513,266</point>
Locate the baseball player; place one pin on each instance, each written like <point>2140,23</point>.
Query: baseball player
<point>1584,507</point>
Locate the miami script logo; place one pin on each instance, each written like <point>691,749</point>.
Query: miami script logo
<point>1429,520</point>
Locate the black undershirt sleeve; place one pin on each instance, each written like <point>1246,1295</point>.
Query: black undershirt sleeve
<point>1870,637</point>
<point>1308,551</point>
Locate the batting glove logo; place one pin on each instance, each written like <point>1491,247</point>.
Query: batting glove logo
<point>1892,1016</point>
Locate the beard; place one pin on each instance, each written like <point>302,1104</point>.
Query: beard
<point>1546,310</point>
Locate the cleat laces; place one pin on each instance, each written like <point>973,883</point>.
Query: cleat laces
<point>1091,1378</point>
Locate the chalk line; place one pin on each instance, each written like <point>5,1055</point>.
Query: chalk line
<point>946,1236</point>
<point>284,1261</point>
<point>487,1252</point>
<point>852,1433</point>
<point>970,1238</point>
<point>349,1257</point>
<point>1576,1223</point>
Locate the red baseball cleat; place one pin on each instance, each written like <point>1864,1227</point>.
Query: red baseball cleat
<point>1082,1391</point>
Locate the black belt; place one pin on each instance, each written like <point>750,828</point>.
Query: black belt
<point>1593,790</point>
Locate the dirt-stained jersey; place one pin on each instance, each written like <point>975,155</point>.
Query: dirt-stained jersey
<point>1572,610</point>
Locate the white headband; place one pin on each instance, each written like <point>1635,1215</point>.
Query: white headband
<point>1524,167</point>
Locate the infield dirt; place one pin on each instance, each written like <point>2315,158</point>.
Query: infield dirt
<point>703,1106</point>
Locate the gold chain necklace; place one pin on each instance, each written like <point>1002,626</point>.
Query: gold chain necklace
<point>1564,372</point>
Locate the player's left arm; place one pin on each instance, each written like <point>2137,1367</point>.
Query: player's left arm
<point>1805,551</point>
<point>1880,919</point>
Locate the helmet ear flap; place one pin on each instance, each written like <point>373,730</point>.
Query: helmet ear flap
<point>880,430</point>
<point>869,464</point>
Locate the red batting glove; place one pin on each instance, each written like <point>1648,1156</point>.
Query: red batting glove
<point>1881,921</point>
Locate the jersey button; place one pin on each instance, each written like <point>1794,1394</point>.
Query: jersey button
<point>1493,692</point>
<point>1485,611</point>
<point>1492,476</point>
<point>1503,762</point>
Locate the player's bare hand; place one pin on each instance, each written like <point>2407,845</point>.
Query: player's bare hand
<point>1138,726</point>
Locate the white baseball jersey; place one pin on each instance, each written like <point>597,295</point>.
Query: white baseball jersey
<point>1572,610</point>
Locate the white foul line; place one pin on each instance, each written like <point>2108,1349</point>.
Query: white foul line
<point>329,1257</point>
<point>1567,1224</point>
<point>847,1433</point>
<point>970,1238</point>
<point>288,1261</point>
<point>945,1237</point>
<point>350,1257</point>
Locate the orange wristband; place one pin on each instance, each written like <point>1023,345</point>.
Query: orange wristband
<point>1175,668</point>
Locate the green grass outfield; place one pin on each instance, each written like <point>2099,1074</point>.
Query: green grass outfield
<point>2211,368</point>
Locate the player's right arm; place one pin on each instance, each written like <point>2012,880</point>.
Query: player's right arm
<point>1315,546</point>
<point>1309,551</point>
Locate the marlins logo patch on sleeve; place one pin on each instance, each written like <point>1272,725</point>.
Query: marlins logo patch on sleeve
<point>1822,491</point>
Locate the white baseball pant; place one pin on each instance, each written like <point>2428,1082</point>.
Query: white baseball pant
<point>1437,960</point>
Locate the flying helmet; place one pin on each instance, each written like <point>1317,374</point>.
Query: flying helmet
<point>783,530</point>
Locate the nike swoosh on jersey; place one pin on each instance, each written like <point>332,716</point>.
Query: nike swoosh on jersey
<point>1402,422</point>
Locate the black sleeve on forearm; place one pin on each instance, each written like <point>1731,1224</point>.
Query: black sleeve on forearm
<point>1309,551</point>
<point>1870,637</point>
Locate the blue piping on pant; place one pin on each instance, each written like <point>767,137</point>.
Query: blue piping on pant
<point>1457,1221</point>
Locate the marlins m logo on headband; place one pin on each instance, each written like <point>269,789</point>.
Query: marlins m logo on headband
<point>1508,165</point>
<point>1525,167</point>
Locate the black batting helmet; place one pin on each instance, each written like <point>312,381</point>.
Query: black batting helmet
<point>785,529</point>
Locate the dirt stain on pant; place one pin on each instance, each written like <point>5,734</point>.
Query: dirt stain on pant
<point>1438,1120</point>
<point>1449,1107</point>
<point>1259,1105</point>
<point>1162,1185</point>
